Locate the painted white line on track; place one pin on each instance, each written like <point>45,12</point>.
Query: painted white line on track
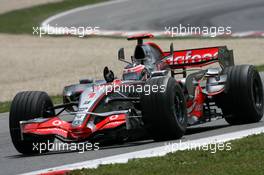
<point>152,152</point>
<point>47,21</point>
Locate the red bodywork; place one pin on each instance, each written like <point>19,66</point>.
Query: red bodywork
<point>56,126</point>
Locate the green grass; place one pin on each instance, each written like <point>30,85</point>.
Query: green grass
<point>246,157</point>
<point>21,21</point>
<point>260,68</point>
<point>5,106</point>
<point>57,99</point>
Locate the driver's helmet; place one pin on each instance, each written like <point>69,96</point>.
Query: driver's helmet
<point>143,55</point>
<point>138,72</point>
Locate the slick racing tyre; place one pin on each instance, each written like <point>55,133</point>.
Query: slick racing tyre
<point>242,101</point>
<point>25,106</point>
<point>164,111</point>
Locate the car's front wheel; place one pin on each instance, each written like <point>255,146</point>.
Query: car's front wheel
<point>164,111</point>
<point>25,106</point>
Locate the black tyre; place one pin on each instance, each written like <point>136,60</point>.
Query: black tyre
<point>242,101</point>
<point>164,112</point>
<point>25,106</point>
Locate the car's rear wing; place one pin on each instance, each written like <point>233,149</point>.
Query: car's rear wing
<point>199,57</point>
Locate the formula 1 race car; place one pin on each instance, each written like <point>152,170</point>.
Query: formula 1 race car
<point>159,95</point>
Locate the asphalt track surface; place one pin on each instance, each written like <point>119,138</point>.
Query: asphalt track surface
<point>131,15</point>
<point>11,162</point>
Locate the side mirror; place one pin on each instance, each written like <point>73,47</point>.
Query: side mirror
<point>108,75</point>
<point>121,55</point>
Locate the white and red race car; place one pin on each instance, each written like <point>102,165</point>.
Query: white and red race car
<point>159,95</point>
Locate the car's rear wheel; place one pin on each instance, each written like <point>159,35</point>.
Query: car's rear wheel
<point>243,100</point>
<point>25,106</point>
<point>164,111</point>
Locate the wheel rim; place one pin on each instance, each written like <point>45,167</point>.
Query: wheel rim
<point>257,93</point>
<point>178,111</point>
